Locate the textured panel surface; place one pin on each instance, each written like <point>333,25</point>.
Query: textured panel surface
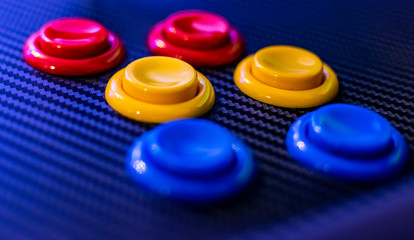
<point>62,147</point>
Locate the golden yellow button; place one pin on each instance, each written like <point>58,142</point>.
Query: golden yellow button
<point>286,76</point>
<point>158,89</point>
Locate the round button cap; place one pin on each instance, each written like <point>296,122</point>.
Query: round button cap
<point>347,141</point>
<point>197,29</point>
<point>287,67</point>
<point>158,89</point>
<point>188,147</point>
<point>161,80</point>
<point>73,47</point>
<point>73,38</point>
<point>200,38</point>
<point>286,76</point>
<point>350,130</point>
<point>191,160</point>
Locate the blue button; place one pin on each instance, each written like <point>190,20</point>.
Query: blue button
<point>348,141</point>
<point>191,160</point>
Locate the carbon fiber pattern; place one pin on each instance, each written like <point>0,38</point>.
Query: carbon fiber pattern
<point>62,147</point>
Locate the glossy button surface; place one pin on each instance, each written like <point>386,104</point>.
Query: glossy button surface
<point>192,147</point>
<point>347,141</point>
<point>73,46</point>
<point>286,76</point>
<point>350,130</point>
<point>191,160</point>
<point>288,68</point>
<point>158,89</point>
<point>161,80</point>
<point>198,37</point>
<point>197,29</point>
<point>73,38</point>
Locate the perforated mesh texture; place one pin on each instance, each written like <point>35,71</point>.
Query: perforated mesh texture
<point>62,147</point>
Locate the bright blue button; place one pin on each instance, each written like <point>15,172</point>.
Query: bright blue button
<point>202,151</point>
<point>350,130</point>
<point>347,141</point>
<point>191,160</point>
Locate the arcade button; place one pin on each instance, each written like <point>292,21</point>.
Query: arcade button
<point>286,76</point>
<point>347,141</point>
<point>73,47</point>
<point>198,37</point>
<point>158,89</point>
<point>191,160</point>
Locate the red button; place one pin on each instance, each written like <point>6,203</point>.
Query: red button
<point>73,47</point>
<point>198,37</point>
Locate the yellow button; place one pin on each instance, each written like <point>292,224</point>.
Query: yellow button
<point>161,80</point>
<point>158,89</point>
<point>287,67</point>
<point>286,76</point>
